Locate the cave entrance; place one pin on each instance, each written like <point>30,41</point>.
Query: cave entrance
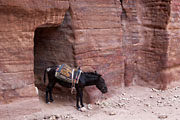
<point>52,46</point>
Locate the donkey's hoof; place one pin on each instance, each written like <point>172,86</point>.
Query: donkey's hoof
<point>51,101</point>
<point>83,109</point>
<point>48,102</point>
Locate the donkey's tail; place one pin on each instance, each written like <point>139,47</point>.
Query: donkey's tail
<point>45,71</point>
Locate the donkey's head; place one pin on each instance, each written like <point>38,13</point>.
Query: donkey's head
<point>100,83</point>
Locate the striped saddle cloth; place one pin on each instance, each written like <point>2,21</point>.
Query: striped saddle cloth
<point>68,74</point>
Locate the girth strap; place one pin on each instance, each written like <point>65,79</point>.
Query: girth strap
<point>73,83</point>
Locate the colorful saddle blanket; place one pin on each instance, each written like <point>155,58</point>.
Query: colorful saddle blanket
<point>68,74</point>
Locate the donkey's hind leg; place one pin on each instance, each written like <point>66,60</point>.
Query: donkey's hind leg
<point>49,89</point>
<point>51,86</point>
<point>47,92</point>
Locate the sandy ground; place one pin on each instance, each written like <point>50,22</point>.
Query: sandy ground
<point>132,103</point>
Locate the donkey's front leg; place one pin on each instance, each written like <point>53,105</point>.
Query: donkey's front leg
<point>77,100</point>
<point>81,97</point>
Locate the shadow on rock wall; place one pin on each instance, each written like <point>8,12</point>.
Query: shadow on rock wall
<point>53,46</point>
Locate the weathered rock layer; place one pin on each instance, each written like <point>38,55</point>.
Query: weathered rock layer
<point>19,19</point>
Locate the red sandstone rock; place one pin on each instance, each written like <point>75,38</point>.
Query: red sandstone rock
<point>19,19</point>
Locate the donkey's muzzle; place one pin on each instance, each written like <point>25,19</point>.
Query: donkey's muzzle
<point>104,90</point>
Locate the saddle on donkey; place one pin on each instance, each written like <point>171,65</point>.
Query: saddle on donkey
<point>68,74</point>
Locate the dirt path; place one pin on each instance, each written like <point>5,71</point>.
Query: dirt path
<point>133,103</point>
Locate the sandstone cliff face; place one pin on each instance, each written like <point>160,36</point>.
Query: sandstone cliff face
<point>137,45</point>
<point>146,41</point>
<point>173,51</point>
<point>19,19</point>
<point>151,31</point>
<point>98,44</point>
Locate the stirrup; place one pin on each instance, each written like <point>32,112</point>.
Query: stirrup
<point>73,90</point>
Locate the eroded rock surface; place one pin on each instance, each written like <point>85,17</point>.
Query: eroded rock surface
<point>19,19</point>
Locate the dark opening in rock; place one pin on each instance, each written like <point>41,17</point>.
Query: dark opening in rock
<point>52,46</point>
